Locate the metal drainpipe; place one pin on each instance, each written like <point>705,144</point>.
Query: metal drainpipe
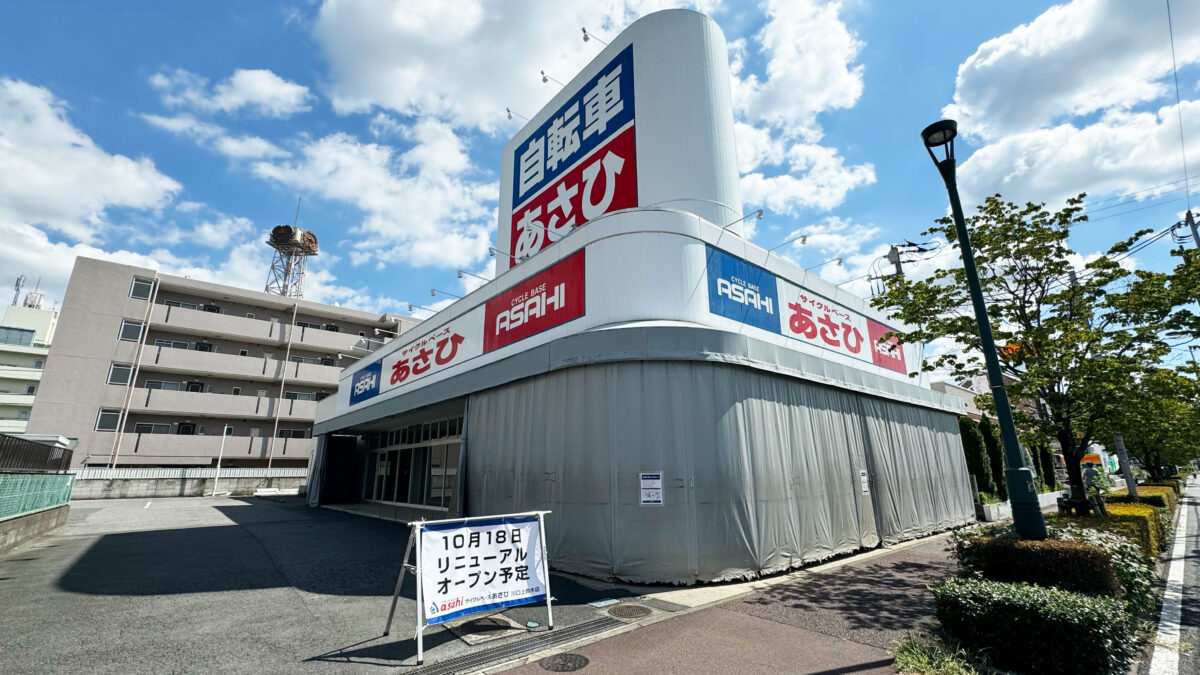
<point>137,365</point>
<point>282,382</point>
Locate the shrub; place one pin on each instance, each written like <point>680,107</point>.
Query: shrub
<point>1166,482</point>
<point>1128,529</point>
<point>1155,495</point>
<point>924,654</point>
<point>1114,565</point>
<point>1145,521</point>
<point>1031,629</point>
<point>977,458</point>
<point>995,453</point>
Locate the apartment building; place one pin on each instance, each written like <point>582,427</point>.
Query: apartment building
<point>25,334</point>
<point>151,369</point>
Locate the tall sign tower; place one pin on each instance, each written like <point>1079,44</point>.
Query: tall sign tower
<point>292,247</point>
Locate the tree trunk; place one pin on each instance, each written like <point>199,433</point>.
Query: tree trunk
<point>1072,455</point>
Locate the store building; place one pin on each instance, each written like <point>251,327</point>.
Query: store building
<point>149,369</point>
<point>689,406</point>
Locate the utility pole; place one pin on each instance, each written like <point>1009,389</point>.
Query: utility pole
<point>1191,222</point>
<point>1126,469</point>
<point>893,256</point>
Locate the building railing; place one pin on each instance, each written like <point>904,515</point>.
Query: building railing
<point>23,455</point>
<point>179,473</point>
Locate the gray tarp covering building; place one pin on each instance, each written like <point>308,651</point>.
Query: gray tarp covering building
<point>761,472</point>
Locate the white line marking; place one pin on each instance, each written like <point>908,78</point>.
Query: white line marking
<point>1165,660</point>
<point>147,505</point>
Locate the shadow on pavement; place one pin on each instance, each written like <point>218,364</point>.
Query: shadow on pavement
<point>887,597</point>
<point>269,545</point>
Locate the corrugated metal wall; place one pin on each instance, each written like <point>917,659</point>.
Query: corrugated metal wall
<point>761,472</point>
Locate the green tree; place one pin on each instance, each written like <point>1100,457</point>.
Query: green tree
<point>1070,344</point>
<point>1158,417</point>
<point>995,454</point>
<point>976,455</point>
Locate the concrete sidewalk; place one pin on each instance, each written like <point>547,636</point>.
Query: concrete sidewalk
<point>837,618</point>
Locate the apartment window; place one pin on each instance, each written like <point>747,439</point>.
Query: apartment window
<point>141,289</point>
<point>293,433</point>
<point>262,393</point>
<point>23,415</point>
<point>298,396</point>
<point>305,324</point>
<point>162,384</point>
<point>181,305</point>
<point>146,428</point>
<point>31,389</point>
<point>237,391</point>
<point>243,352</point>
<point>39,364</point>
<point>119,373</point>
<point>131,330</point>
<point>211,389</point>
<point>171,344</point>
<point>204,347</point>
<point>228,430</point>
<point>255,432</point>
<point>249,315</point>
<point>108,419</point>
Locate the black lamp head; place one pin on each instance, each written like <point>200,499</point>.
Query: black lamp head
<point>940,134</point>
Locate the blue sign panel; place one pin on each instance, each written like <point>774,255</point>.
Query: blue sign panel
<point>596,112</point>
<point>365,383</point>
<point>741,291</point>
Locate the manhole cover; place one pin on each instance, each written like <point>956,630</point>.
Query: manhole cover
<point>628,611</point>
<point>563,663</point>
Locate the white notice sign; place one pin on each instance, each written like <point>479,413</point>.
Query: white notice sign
<point>480,565</point>
<point>651,484</point>
<point>864,482</point>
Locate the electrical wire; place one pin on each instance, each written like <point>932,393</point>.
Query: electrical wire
<point>1179,109</point>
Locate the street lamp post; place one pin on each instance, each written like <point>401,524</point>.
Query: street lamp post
<point>220,455</point>
<point>1027,512</point>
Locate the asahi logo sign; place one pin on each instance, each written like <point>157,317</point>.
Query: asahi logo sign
<point>548,299</point>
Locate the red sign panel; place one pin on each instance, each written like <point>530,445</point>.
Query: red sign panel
<point>604,181</point>
<point>889,354</point>
<point>553,297</point>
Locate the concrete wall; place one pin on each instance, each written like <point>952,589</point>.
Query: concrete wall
<point>17,530</point>
<point>176,487</point>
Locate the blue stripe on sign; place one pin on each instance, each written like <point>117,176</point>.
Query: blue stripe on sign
<point>483,608</point>
<point>480,523</point>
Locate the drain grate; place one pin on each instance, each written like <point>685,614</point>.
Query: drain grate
<point>564,663</point>
<point>629,611</point>
<point>500,653</point>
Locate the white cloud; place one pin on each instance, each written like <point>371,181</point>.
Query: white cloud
<point>1074,59</point>
<point>810,69</point>
<point>215,137</point>
<point>1075,101</point>
<point>818,178</point>
<point>53,174</point>
<point>1120,153</point>
<point>423,58</point>
<point>420,207</point>
<point>261,91</point>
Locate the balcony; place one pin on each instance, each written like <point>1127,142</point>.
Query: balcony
<point>242,329</point>
<point>173,449</point>
<point>196,363</point>
<point>24,373</point>
<point>194,404</point>
<point>26,400</point>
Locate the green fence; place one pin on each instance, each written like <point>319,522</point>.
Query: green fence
<point>22,493</point>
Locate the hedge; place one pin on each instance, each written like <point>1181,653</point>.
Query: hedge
<point>1172,483</point>
<point>1072,558</point>
<point>1145,521</point>
<point>1031,629</point>
<point>1070,565</point>
<point>1129,529</point>
<point>1161,496</point>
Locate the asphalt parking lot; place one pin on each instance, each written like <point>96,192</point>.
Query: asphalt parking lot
<point>230,585</point>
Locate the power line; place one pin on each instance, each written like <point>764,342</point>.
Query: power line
<point>1179,110</point>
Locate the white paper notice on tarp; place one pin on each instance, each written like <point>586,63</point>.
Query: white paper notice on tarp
<point>651,486</point>
<point>480,565</point>
<point>864,482</point>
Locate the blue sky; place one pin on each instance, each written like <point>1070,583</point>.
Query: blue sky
<point>176,134</point>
